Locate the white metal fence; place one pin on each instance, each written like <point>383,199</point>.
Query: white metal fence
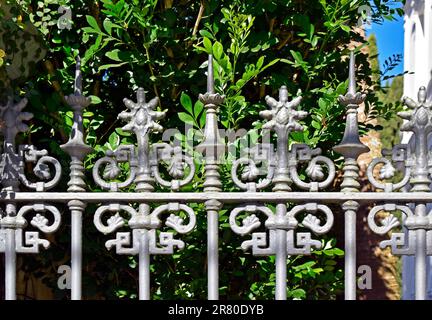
<point>281,172</point>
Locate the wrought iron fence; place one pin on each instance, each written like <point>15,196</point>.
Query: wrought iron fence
<point>281,237</point>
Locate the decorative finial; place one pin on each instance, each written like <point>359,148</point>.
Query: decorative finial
<point>78,77</point>
<point>352,99</point>
<point>417,114</point>
<point>13,119</point>
<point>141,117</point>
<point>352,77</point>
<point>422,94</point>
<point>212,145</point>
<point>211,98</point>
<point>351,147</point>
<point>76,100</point>
<point>283,114</point>
<point>141,98</point>
<point>283,94</point>
<point>210,77</point>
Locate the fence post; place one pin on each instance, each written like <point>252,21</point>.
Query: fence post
<point>142,124</point>
<point>12,117</point>
<point>77,150</point>
<point>351,148</point>
<point>282,180</point>
<point>282,119</point>
<point>213,148</point>
<point>419,122</point>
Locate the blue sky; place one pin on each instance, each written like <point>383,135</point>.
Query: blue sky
<point>390,40</point>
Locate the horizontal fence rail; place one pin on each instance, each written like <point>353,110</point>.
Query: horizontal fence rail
<point>170,209</point>
<point>225,197</point>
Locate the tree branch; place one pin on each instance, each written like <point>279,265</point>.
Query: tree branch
<point>198,19</point>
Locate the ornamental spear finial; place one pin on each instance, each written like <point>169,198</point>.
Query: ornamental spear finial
<point>78,77</point>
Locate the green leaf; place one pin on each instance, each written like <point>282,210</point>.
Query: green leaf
<point>114,55</point>
<point>92,50</point>
<point>95,99</point>
<point>217,50</point>
<point>198,108</point>
<point>208,45</point>
<point>338,252</point>
<point>113,65</point>
<point>122,133</point>
<point>93,23</point>
<point>90,30</point>
<point>316,125</point>
<point>206,34</point>
<point>260,62</point>
<point>297,56</point>
<point>202,120</point>
<point>108,25</point>
<point>345,28</point>
<point>297,294</point>
<point>186,118</point>
<point>270,64</point>
<point>114,140</point>
<point>186,102</point>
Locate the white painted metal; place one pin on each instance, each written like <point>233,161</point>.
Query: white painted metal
<point>143,236</point>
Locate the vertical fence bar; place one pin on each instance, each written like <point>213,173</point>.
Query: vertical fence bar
<point>10,265</point>
<point>282,182</point>
<point>77,150</point>
<point>212,253</point>
<point>281,256</point>
<point>144,266</point>
<point>419,123</point>
<point>351,148</point>
<point>76,253</point>
<point>141,121</point>
<point>11,162</point>
<point>420,263</point>
<point>350,209</point>
<point>10,245</point>
<point>212,147</point>
<point>144,183</point>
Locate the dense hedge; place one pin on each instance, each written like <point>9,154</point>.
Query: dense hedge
<point>162,46</point>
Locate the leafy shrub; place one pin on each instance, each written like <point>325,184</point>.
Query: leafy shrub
<point>162,46</point>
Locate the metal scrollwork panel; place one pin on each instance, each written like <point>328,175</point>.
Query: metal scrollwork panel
<point>250,172</point>
<point>297,243</point>
<point>401,159</point>
<point>144,159</point>
<point>399,243</point>
<point>181,167</point>
<point>111,169</point>
<point>301,243</point>
<point>315,170</point>
<point>130,242</point>
<point>13,161</point>
<point>283,118</point>
<point>42,162</point>
<point>29,241</point>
